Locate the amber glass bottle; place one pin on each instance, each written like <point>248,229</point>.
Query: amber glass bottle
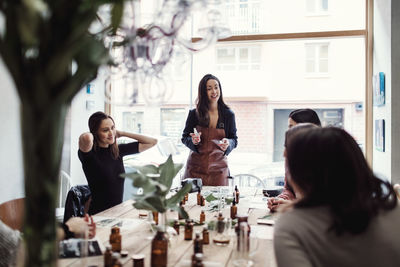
<point>188,230</point>
<point>237,194</point>
<point>197,244</point>
<point>199,197</point>
<point>206,235</point>
<point>155,216</point>
<point>233,209</point>
<point>202,216</point>
<point>115,240</point>
<point>108,257</point>
<point>159,250</point>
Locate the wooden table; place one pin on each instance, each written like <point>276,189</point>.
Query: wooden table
<point>136,239</point>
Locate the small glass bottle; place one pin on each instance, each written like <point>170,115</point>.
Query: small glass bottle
<point>242,219</point>
<point>176,226</point>
<point>115,260</point>
<point>188,230</point>
<point>108,257</point>
<point>233,209</point>
<point>186,197</point>
<point>138,260</point>
<point>159,250</point>
<point>197,244</point>
<point>199,197</point>
<point>237,194</point>
<point>155,217</point>
<point>197,260</point>
<point>115,240</point>
<point>203,201</point>
<point>206,235</point>
<point>222,237</point>
<point>179,215</point>
<point>202,217</point>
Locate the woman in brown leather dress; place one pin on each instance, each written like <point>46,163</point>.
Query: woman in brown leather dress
<point>210,133</point>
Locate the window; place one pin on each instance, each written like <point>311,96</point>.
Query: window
<point>316,7</point>
<point>243,16</point>
<point>238,58</point>
<point>317,58</point>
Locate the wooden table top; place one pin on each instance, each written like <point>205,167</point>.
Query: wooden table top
<point>137,235</point>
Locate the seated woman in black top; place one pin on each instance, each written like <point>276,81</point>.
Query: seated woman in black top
<point>101,159</point>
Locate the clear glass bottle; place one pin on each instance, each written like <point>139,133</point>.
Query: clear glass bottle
<point>206,235</point>
<point>115,239</point>
<point>108,257</point>
<point>242,219</point>
<point>242,256</point>
<point>222,237</point>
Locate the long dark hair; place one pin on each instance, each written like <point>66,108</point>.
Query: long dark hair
<point>329,168</point>
<point>203,104</point>
<point>94,125</point>
<point>305,115</point>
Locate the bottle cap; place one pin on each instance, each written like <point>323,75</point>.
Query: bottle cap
<point>124,253</point>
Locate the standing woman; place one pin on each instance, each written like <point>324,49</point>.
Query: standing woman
<point>101,159</point>
<point>216,135</point>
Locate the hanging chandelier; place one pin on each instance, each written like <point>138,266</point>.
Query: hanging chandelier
<point>142,48</point>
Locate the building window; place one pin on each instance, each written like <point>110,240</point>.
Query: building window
<point>243,16</point>
<point>238,58</point>
<point>317,7</point>
<point>317,58</point>
<point>172,122</point>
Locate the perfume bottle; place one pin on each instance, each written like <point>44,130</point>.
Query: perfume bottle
<point>188,230</point>
<point>197,244</point>
<point>206,235</point>
<point>155,217</point>
<point>159,250</point>
<point>222,237</point>
<point>115,240</point>
<point>108,257</point>
<point>242,255</point>
<point>115,260</point>
<point>242,219</point>
<point>237,194</point>
<point>197,260</point>
<point>199,197</point>
<point>202,217</point>
<point>176,226</point>
<point>233,208</point>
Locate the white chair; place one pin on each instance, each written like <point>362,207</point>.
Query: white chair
<point>248,180</point>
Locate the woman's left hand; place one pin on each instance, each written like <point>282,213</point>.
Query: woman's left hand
<point>224,144</point>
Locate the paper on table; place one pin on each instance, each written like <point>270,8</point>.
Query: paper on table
<point>123,223</point>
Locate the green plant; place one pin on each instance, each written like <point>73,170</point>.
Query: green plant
<point>156,182</point>
<point>39,42</point>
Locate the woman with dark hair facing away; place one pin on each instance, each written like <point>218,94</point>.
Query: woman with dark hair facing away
<point>101,159</point>
<point>297,116</point>
<point>210,134</point>
<point>346,216</point>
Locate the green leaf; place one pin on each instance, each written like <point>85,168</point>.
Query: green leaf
<point>168,171</point>
<point>181,212</point>
<point>211,197</point>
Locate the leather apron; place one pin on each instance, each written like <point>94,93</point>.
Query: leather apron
<point>210,164</point>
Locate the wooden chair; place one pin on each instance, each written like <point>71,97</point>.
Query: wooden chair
<point>12,213</point>
<point>397,190</point>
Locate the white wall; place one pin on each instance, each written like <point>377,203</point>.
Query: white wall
<point>79,122</point>
<point>11,166</point>
<point>382,63</point>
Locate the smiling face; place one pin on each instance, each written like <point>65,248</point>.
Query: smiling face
<point>213,91</point>
<point>106,133</point>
